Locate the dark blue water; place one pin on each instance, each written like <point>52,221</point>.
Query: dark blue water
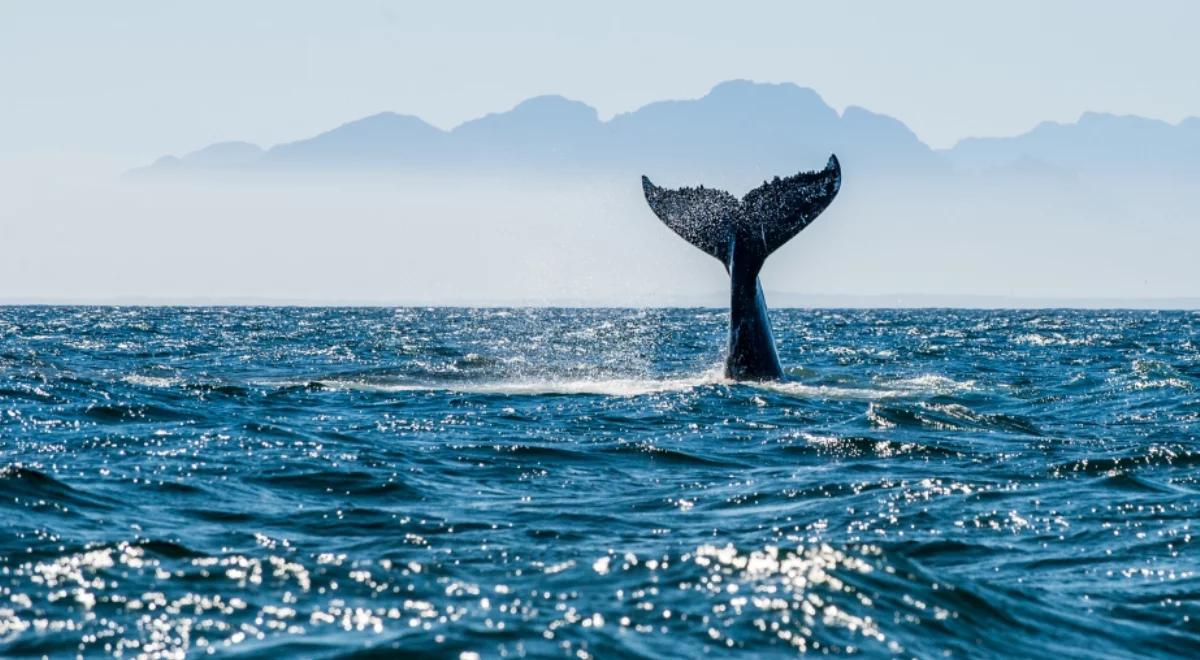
<point>327,482</point>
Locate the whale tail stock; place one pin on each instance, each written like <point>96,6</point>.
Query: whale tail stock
<point>741,234</point>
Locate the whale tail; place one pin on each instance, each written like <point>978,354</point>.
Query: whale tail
<point>741,234</point>
<point>758,224</point>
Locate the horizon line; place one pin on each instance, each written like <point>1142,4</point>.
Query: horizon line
<point>817,301</point>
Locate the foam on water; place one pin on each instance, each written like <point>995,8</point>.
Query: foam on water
<point>922,385</point>
<point>152,381</point>
<point>619,387</point>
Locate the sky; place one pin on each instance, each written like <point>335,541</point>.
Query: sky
<point>89,90</point>
<point>137,79</point>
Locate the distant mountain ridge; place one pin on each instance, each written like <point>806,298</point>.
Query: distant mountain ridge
<point>1098,142</point>
<point>738,133</point>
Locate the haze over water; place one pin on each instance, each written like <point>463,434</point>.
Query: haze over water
<point>330,482</point>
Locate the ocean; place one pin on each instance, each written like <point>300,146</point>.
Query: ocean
<point>358,482</point>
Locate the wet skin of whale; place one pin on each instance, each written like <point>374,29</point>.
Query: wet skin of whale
<point>742,234</point>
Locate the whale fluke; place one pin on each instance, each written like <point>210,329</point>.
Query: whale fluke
<point>741,235</point>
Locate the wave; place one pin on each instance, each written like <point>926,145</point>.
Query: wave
<point>357,483</point>
<point>1154,455</point>
<point>19,483</point>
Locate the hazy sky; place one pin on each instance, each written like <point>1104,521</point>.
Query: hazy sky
<point>145,78</point>
<point>91,89</point>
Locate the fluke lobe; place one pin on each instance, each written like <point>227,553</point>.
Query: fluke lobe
<point>742,234</point>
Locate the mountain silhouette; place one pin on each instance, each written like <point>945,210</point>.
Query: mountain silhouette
<point>739,132</point>
<point>1098,143</point>
<point>736,135</point>
<point>378,140</point>
<point>219,156</point>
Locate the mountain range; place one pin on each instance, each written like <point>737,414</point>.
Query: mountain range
<point>738,133</point>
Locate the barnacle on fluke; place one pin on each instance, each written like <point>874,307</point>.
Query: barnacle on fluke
<point>742,234</point>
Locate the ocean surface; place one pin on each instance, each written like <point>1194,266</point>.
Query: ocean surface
<point>276,482</point>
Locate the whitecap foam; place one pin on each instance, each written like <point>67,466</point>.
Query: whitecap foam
<point>905,387</point>
<point>152,381</point>
<point>634,386</point>
<point>931,384</point>
<point>619,387</point>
